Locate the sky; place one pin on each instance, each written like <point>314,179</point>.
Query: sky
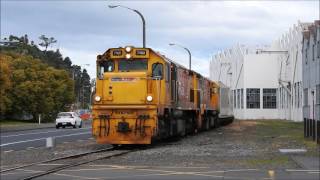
<point>85,29</point>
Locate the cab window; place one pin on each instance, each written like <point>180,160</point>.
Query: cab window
<point>157,70</point>
<point>127,65</point>
<point>106,66</point>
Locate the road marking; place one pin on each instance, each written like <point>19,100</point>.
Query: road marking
<point>90,169</point>
<point>45,164</point>
<point>314,172</point>
<point>8,151</point>
<point>40,132</point>
<point>77,177</point>
<point>30,147</point>
<point>25,171</point>
<point>30,140</point>
<point>302,170</point>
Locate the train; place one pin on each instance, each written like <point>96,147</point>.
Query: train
<point>141,96</point>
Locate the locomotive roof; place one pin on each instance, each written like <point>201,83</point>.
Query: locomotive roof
<point>179,65</point>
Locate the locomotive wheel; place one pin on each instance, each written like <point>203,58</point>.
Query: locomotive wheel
<point>216,122</point>
<point>207,124</point>
<point>181,127</point>
<point>212,123</point>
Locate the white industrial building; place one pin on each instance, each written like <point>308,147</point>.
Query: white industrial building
<point>266,81</point>
<point>311,80</point>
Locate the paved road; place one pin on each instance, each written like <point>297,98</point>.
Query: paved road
<point>37,138</point>
<point>102,172</point>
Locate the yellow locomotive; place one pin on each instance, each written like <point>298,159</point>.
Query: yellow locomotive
<point>142,96</point>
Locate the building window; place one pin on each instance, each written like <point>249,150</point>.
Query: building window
<point>234,99</point>
<point>238,98</point>
<point>241,99</point>
<point>269,98</point>
<point>305,97</point>
<point>253,98</point>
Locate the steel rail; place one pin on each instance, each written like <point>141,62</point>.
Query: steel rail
<point>74,165</point>
<point>56,159</point>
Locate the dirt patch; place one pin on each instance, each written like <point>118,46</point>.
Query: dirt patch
<point>241,125</point>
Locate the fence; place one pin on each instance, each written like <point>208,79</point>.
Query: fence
<point>312,129</point>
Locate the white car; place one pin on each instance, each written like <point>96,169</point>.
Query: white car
<point>68,119</point>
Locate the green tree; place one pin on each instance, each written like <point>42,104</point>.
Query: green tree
<point>21,47</point>
<point>85,89</point>
<point>38,88</point>
<point>46,42</point>
<point>5,84</point>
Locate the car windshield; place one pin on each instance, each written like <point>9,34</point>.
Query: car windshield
<point>133,65</point>
<point>64,115</point>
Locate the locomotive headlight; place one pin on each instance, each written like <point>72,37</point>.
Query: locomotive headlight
<point>128,56</point>
<point>97,98</point>
<point>128,49</point>
<point>149,98</point>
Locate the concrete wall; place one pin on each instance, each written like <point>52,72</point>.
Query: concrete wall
<point>260,71</point>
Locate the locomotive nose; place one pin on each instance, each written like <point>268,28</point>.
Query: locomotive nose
<point>127,88</point>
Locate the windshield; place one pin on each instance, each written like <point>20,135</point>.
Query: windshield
<point>106,66</point>
<point>64,115</point>
<point>133,65</point>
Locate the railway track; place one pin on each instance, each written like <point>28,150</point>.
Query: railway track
<point>73,161</point>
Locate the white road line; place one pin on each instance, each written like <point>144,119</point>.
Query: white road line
<point>30,140</point>
<point>314,172</point>
<point>30,147</point>
<point>302,170</point>
<point>39,133</point>
<point>77,177</point>
<point>44,164</point>
<point>8,151</point>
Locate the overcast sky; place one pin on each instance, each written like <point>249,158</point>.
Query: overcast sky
<point>87,28</point>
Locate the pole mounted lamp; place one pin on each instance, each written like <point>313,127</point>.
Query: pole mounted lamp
<point>173,44</point>
<point>142,18</point>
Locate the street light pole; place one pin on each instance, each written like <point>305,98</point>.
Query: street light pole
<point>142,18</point>
<point>172,44</point>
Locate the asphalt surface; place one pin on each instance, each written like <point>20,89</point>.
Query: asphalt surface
<point>99,172</point>
<point>20,140</point>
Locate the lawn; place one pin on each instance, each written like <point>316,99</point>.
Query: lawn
<point>284,132</point>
